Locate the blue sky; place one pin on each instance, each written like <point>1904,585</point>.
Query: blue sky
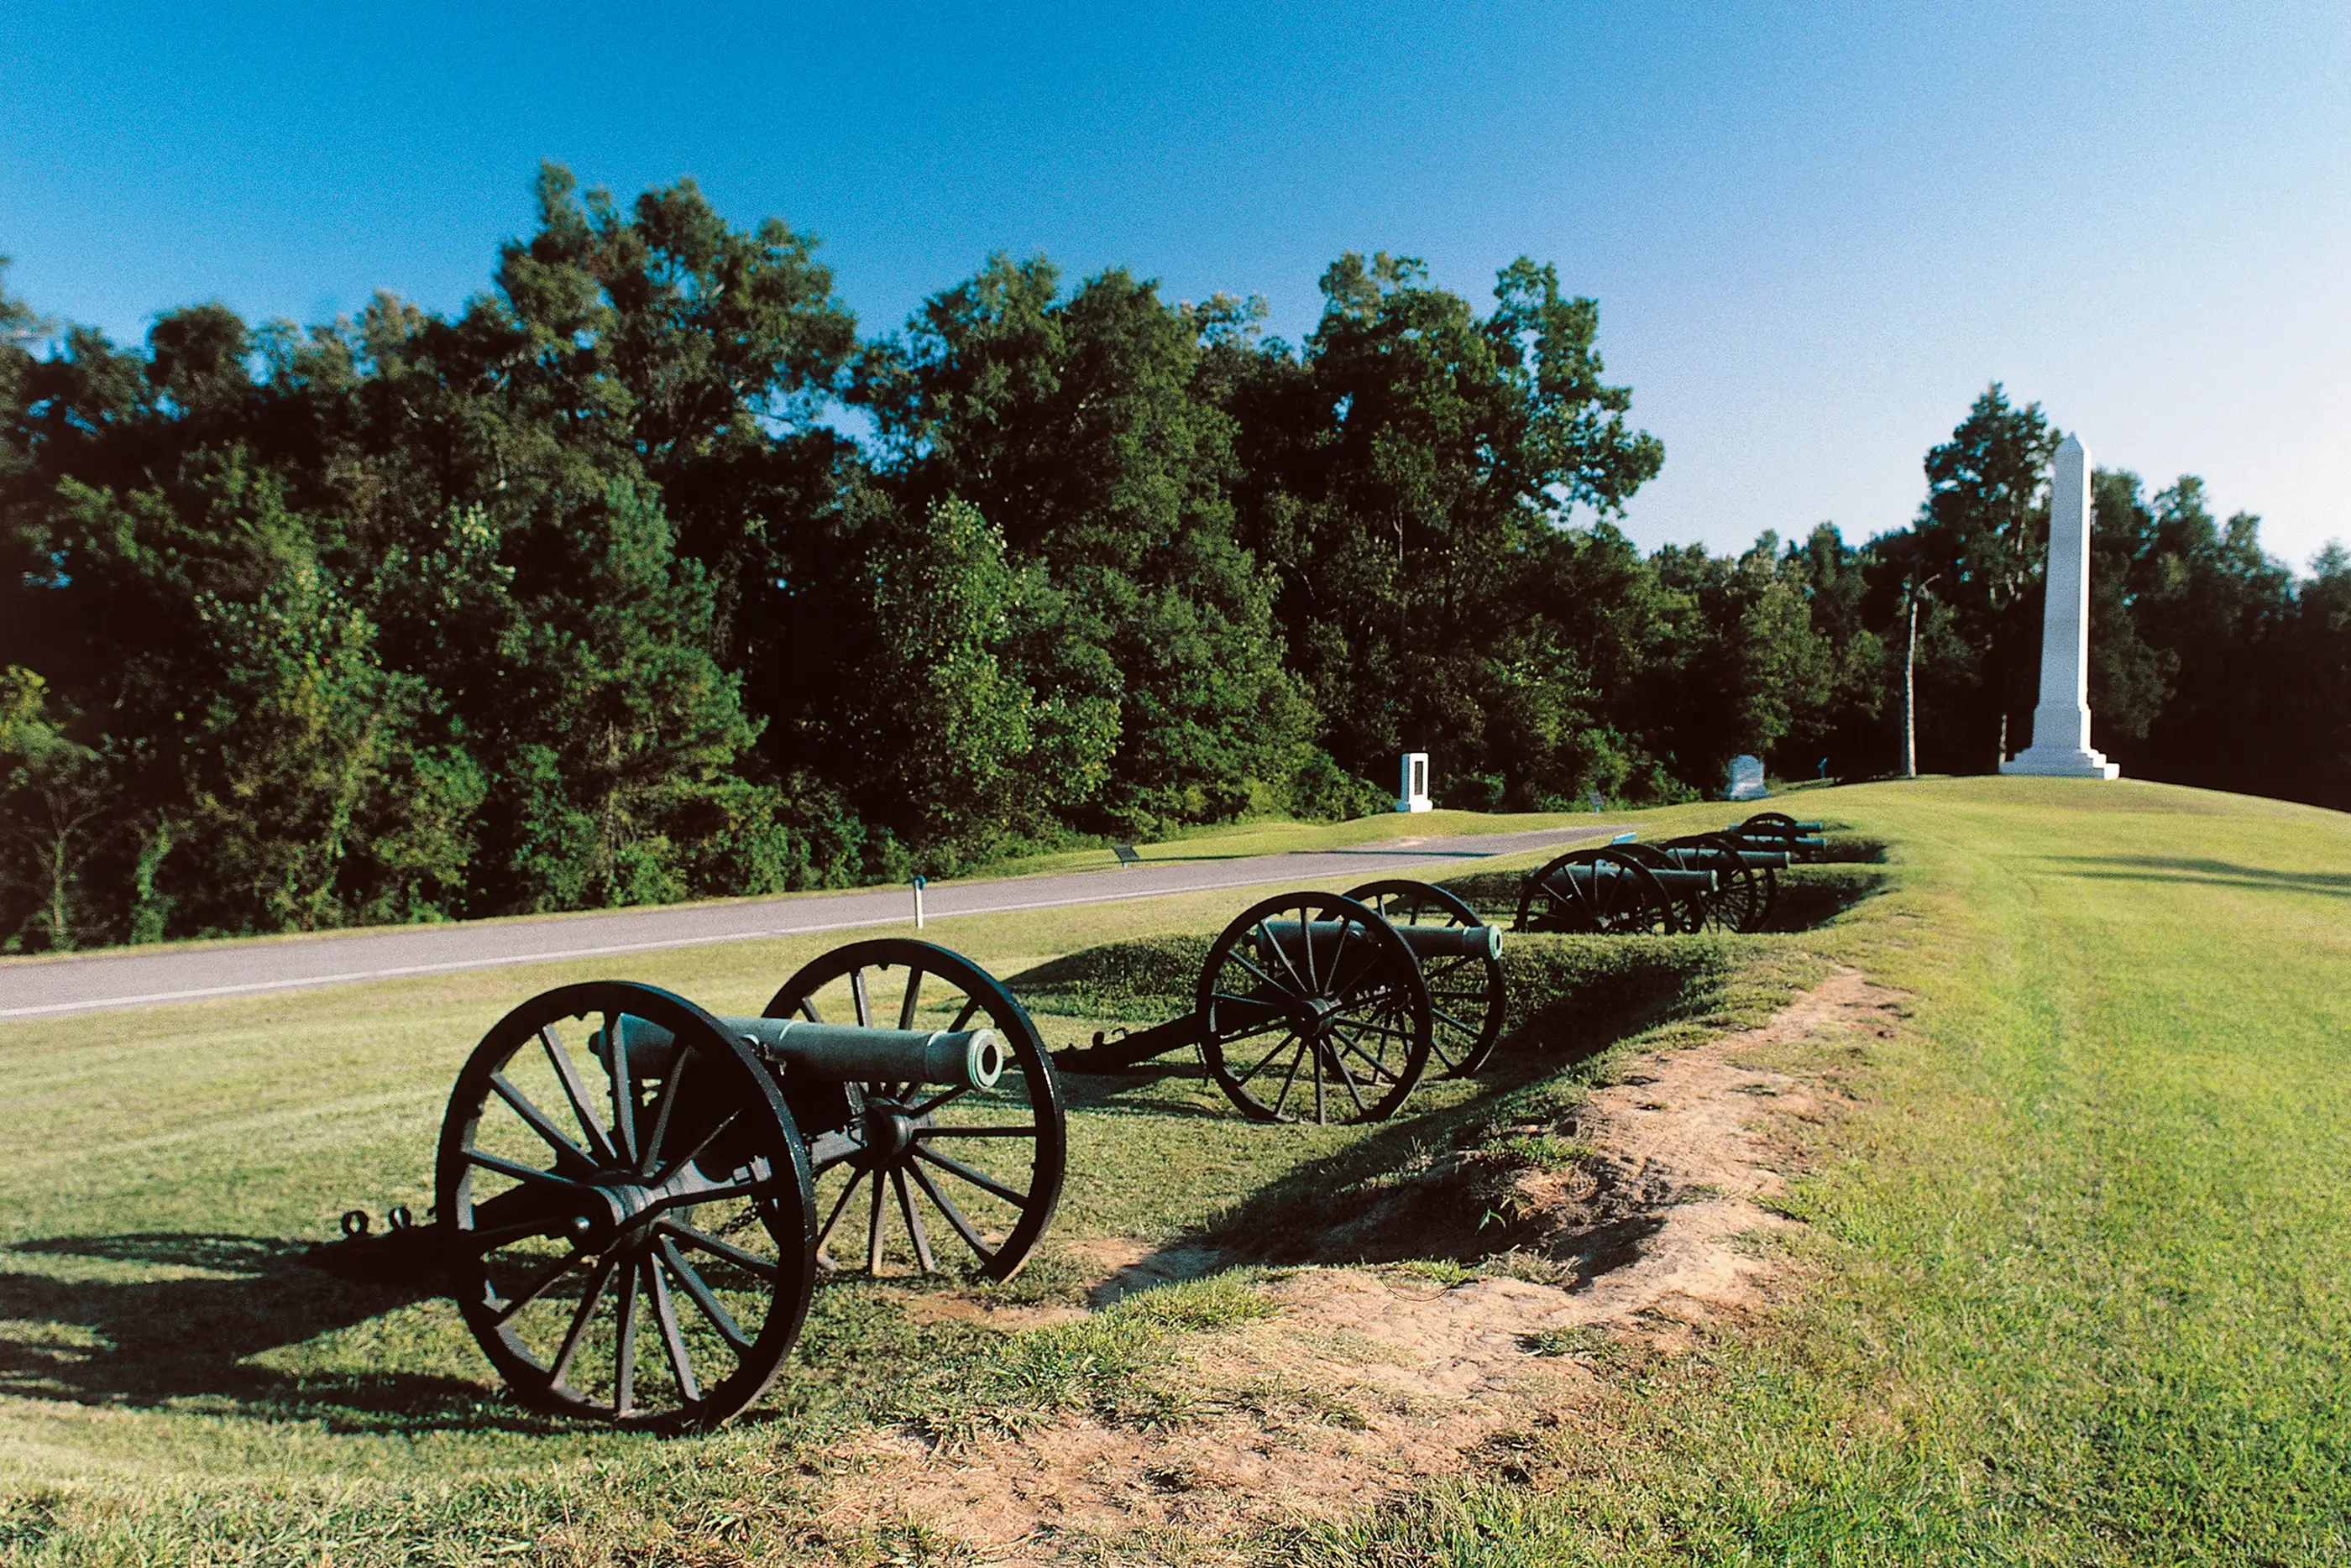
<point>1816,232</point>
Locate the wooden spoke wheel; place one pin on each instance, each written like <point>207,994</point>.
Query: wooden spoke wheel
<point>1607,891</point>
<point>1312,1009</point>
<point>1468,998</point>
<point>626,1207</point>
<point>1744,893</point>
<point>1778,823</point>
<point>922,1177</point>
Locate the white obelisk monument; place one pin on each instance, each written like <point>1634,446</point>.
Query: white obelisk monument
<point>2061,723</point>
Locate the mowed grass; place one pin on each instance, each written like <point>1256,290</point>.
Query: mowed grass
<point>2081,1256</point>
<point>2075,1280</point>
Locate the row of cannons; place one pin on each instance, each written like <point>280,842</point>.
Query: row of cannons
<point>635,1198</point>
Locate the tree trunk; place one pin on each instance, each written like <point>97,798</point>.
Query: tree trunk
<point>1910,695</point>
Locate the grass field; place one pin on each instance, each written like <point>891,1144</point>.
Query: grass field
<point>2075,1264</point>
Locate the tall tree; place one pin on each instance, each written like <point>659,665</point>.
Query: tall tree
<point>1981,537</point>
<point>1079,426</point>
<point>1407,470</point>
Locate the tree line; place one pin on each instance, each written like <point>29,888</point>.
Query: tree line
<point>646,575</point>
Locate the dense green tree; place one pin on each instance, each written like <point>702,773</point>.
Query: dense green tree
<point>1978,546</point>
<point>583,595</point>
<point>1408,471</point>
<point>1079,425</point>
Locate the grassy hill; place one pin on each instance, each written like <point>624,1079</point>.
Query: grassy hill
<point>2067,1280</point>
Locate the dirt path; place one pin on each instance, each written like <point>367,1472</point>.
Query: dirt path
<point>1368,1380</point>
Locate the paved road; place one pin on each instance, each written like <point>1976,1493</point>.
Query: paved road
<point>141,976</point>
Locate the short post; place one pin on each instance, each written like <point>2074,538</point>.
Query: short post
<point>919,886</point>
<point>1412,789</point>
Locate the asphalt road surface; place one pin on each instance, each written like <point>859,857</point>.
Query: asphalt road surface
<point>139,977</point>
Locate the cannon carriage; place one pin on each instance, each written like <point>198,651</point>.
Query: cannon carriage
<point>636,1198</point>
<point>1330,1007</point>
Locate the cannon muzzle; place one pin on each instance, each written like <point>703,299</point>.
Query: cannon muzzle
<point>840,1052</point>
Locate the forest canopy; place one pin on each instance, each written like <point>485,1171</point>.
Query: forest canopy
<point>582,595</point>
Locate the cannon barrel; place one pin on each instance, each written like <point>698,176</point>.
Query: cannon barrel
<point>1426,942</point>
<point>1672,880</point>
<point>843,1053</point>
<point>1753,859</point>
<point>1794,845</point>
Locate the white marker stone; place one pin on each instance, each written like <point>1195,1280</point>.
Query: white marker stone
<point>1746,780</point>
<point>2061,723</point>
<point>1412,788</point>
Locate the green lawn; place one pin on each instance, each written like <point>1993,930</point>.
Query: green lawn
<point>2076,1271</point>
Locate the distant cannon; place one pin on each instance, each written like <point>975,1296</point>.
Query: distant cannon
<point>1777,830</point>
<point>1326,1007</point>
<point>629,1189</point>
<point>1746,882</point>
<point>1704,882</point>
<point>1619,889</point>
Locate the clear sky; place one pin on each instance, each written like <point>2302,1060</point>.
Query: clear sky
<point>1816,232</point>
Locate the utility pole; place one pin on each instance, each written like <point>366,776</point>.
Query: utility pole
<point>1910,682</point>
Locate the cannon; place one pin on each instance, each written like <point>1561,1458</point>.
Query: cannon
<point>635,1196</point>
<point>1617,889</point>
<point>1777,830</point>
<point>1746,883</point>
<point>1328,1007</point>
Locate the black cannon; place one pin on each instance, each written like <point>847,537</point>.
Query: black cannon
<point>635,1198</point>
<point>1745,886</point>
<point>1777,830</point>
<point>1328,1007</point>
<point>1616,889</point>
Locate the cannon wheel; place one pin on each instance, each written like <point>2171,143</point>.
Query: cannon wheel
<point>1777,822</point>
<point>954,1171</point>
<point>1468,998</point>
<point>1620,898</point>
<point>633,1248</point>
<point>1341,1032</point>
<point>1746,894</point>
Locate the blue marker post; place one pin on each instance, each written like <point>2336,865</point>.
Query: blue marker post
<point>919,886</point>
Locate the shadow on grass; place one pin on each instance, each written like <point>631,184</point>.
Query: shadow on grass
<point>2205,873</point>
<point>1154,1088</point>
<point>1580,996</point>
<point>153,1341</point>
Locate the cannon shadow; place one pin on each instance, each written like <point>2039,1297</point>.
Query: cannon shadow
<point>191,1337</point>
<point>1626,986</point>
<point>2205,873</point>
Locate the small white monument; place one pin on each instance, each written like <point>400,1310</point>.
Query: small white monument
<point>1412,789</point>
<point>1746,779</point>
<point>2061,723</point>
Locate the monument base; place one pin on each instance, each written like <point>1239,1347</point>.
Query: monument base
<point>2061,763</point>
<point>1416,803</point>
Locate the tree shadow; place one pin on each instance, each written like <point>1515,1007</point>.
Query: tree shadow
<point>2205,873</point>
<point>147,1343</point>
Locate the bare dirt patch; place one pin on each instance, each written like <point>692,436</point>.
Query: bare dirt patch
<point>1370,1378</point>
